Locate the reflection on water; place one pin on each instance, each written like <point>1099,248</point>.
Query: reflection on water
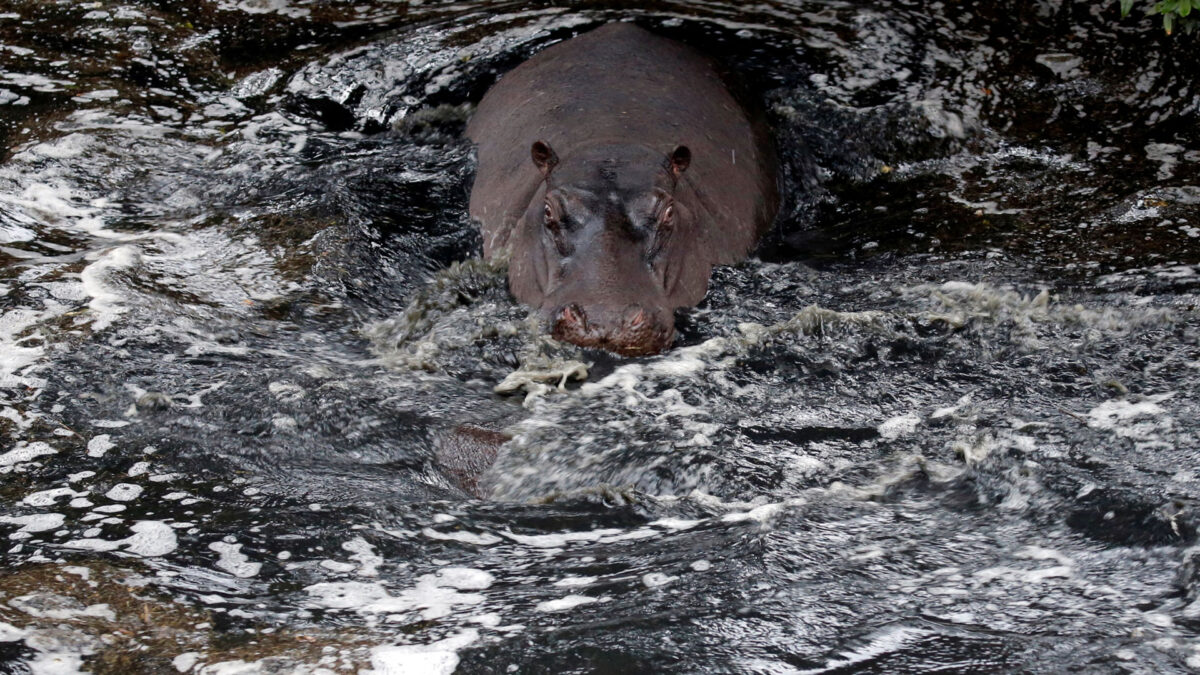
<point>945,422</point>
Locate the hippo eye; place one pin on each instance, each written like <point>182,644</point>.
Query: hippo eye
<point>550,218</point>
<point>554,229</point>
<point>666,223</point>
<point>666,216</point>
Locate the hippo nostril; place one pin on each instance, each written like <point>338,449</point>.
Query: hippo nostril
<point>637,318</point>
<point>573,315</point>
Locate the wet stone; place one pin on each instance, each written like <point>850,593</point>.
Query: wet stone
<point>153,400</point>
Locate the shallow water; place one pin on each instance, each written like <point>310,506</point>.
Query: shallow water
<point>945,421</point>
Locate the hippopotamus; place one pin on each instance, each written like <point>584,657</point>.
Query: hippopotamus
<point>615,169</point>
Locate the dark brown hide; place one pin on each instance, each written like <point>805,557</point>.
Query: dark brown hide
<point>465,452</point>
<point>622,118</point>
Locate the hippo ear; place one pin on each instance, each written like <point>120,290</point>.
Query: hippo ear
<point>543,157</point>
<point>680,158</point>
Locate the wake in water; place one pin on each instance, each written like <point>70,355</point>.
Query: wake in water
<point>945,421</point>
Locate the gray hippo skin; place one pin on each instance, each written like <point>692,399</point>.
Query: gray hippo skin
<point>617,169</point>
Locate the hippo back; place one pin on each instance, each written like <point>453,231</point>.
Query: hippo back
<point>622,84</point>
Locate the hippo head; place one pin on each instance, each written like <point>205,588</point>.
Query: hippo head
<point>599,249</point>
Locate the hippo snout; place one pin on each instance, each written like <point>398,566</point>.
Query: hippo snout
<point>632,331</point>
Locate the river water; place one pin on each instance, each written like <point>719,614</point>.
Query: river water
<point>946,420</point>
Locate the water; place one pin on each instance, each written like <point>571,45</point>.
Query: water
<point>945,421</point>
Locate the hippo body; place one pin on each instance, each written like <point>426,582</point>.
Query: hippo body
<point>615,169</point>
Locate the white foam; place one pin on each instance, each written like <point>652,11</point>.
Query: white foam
<point>107,303</point>
<point>256,84</point>
<point>896,427</point>
<point>83,572</point>
<point>1140,420</point>
<point>565,603</point>
<point>464,536</point>
<point>1064,65</point>
<point>282,7</point>
<point>10,633</point>
<point>261,666</point>
<point>37,522</point>
<point>464,577</point>
<point>1159,619</point>
<point>71,145</point>
<point>124,492</point>
<point>560,539</point>
<point>1063,570</point>
<point>762,513</point>
<point>57,663</point>
<point>150,538</point>
<point>235,562</point>
<point>656,579</point>
<point>1042,553</point>
<point>975,450</point>
<point>346,595</point>
<point>989,207</point>
<point>438,658</point>
<point>491,619</point>
<point>99,445</point>
<point>1022,576</point>
<point>1059,571</point>
<point>434,595</point>
<point>11,233</point>
<point>33,81</point>
<point>952,409</point>
<point>23,421</point>
<point>15,359</point>
<point>1166,154</point>
<point>286,391</point>
<point>364,553</point>
<point>24,451</point>
<point>49,497</point>
<point>185,661</point>
<point>54,204</point>
<point>676,523</point>
<point>43,605</point>
<point>574,582</point>
<point>886,641</point>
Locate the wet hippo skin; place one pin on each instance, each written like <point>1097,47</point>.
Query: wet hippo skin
<point>464,452</point>
<point>615,169</point>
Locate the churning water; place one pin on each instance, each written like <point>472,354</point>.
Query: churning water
<point>946,421</point>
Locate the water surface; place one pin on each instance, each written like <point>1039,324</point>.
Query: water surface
<point>944,421</point>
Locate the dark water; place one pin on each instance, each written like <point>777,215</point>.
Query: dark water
<point>945,421</point>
